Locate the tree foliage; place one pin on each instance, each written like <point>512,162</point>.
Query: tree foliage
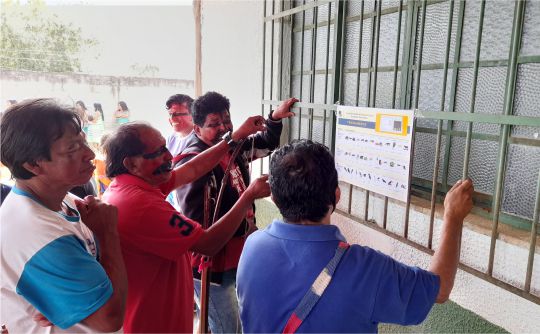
<point>33,39</point>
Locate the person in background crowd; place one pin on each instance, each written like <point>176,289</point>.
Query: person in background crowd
<point>179,108</point>
<point>53,272</point>
<point>122,113</point>
<point>96,127</point>
<point>299,274</point>
<point>102,181</point>
<point>80,109</point>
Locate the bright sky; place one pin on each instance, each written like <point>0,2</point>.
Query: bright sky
<point>158,33</point>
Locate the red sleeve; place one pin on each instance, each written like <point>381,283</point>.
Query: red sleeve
<point>162,231</point>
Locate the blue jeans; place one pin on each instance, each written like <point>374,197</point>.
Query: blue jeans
<point>222,305</point>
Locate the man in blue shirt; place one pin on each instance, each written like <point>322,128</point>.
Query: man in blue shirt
<point>281,284</point>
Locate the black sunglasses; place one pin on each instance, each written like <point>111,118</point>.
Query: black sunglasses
<point>155,154</point>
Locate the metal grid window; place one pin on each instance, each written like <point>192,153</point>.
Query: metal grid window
<point>470,68</point>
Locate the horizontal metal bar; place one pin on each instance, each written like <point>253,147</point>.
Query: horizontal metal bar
<point>298,9</point>
<point>482,136</point>
<point>452,116</point>
<point>464,267</point>
<point>480,118</point>
<point>332,107</point>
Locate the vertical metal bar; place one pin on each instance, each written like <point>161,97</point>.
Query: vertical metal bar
<point>326,69</point>
<point>291,68</point>
<point>453,89</point>
<point>313,67</point>
<point>413,5</point>
<point>467,154</point>
<point>280,63</point>
<point>371,48</point>
<point>359,65</point>
<point>263,55</point>
<point>532,245</point>
<point>337,91</point>
<point>439,128</point>
<point>511,76</point>
<point>272,54</point>
<point>396,59</point>
<point>375,63</point>
<point>271,67</point>
<point>368,86</point>
<point>416,96</point>
<point>301,72</point>
<point>374,59</point>
<point>349,204</point>
<point>406,58</point>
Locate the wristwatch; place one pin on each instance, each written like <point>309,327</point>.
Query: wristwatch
<point>227,137</point>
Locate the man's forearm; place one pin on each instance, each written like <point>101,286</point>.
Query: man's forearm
<point>110,316</point>
<point>445,260</point>
<point>200,165</point>
<point>215,237</point>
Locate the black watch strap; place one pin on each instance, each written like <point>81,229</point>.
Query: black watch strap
<point>227,137</point>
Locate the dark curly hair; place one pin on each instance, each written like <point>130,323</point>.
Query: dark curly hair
<point>179,99</point>
<point>303,180</point>
<point>209,103</point>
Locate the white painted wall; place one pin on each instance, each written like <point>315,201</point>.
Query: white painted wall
<point>231,64</point>
<point>145,97</point>
<point>231,54</point>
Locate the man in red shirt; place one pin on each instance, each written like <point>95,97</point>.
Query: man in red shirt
<point>155,238</point>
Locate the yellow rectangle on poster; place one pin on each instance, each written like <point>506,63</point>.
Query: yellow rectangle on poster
<point>391,124</point>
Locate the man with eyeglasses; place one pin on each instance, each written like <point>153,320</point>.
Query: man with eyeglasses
<point>156,238</point>
<point>179,108</point>
<point>211,117</point>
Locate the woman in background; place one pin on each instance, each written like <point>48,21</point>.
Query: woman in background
<point>80,109</point>
<point>96,127</point>
<point>122,113</point>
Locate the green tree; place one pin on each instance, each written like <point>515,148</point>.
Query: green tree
<point>33,39</point>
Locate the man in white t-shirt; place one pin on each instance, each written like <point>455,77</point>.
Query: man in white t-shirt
<point>179,108</point>
<point>61,260</point>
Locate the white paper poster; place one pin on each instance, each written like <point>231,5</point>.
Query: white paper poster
<point>373,149</point>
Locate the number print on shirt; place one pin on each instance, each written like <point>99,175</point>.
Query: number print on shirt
<point>184,226</point>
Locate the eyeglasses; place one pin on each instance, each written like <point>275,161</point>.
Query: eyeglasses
<point>155,154</point>
<point>178,114</point>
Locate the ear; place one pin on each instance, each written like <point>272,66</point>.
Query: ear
<point>197,129</point>
<point>338,194</point>
<point>130,165</point>
<point>33,168</point>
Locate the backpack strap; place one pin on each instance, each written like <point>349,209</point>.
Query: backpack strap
<point>316,290</point>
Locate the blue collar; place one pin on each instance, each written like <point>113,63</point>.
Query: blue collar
<point>282,230</point>
<point>73,219</point>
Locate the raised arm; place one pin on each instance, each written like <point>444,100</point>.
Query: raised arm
<point>457,204</point>
<point>270,138</point>
<point>208,159</point>
<point>215,237</point>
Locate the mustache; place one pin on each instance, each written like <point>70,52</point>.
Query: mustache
<point>164,168</point>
